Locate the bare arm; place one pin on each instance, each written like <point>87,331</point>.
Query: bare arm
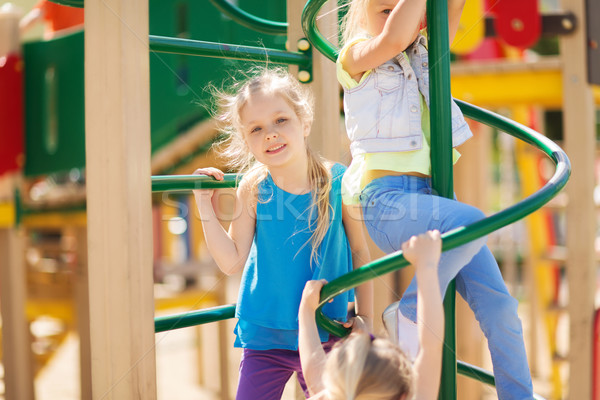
<point>399,31</point>
<point>229,249</point>
<point>353,225</point>
<point>312,355</point>
<point>424,253</point>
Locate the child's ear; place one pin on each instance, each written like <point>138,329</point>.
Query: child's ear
<point>306,129</point>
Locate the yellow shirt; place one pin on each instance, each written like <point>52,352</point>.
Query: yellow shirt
<point>357,176</point>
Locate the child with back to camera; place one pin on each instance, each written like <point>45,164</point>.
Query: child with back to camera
<point>289,227</point>
<point>383,68</point>
<point>364,367</point>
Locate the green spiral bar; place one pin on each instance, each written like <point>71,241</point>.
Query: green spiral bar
<point>481,375</point>
<point>163,44</point>
<point>250,21</point>
<point>193,318</point>
<point>181,183</point>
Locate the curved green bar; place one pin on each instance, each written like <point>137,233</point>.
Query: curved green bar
<point>312,33</point>
<point>480,374</point>
<point>162,44</point>
<point>180,183</point>
<point>70,3</point>
<point>465,234</point>
<point>250,21</point>
<point>193,318</point>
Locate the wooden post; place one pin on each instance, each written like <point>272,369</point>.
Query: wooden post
<point>580,140</point>
<point>325,136</point>
<point>117,108</point>
<point>16,342</point>
<point>83,313</point>
<point>16,350</point>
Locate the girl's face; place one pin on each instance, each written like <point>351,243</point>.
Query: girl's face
<point>272,130</point>
<point>377,13</point>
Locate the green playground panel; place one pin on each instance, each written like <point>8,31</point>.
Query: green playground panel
<point>54,107</point>
<point>54,80</point>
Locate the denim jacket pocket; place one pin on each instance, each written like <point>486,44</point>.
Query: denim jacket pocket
<point>389,83</point>
<point>389,77</point>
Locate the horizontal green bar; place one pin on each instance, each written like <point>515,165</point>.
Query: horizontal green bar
<point>70,3</point>
<point>193,318</point>
<point>162,44</point>
<point>476,373</point>
<point>481,375</point>
<point>27,211</point>
<point>250,21</point>
<point>179,183</point>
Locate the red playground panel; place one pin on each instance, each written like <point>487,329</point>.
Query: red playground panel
<point>518,22</point>
<point>11,113</point>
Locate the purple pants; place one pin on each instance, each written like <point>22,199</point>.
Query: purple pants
<point>264,373</point>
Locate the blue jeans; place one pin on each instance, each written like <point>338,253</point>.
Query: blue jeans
<point>397,207</point>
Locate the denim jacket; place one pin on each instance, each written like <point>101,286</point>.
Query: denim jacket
<point>383,113</point>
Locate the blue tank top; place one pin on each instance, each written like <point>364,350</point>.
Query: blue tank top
<point>279,266</point>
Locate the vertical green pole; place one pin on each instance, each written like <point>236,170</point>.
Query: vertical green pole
<point>441,162</point>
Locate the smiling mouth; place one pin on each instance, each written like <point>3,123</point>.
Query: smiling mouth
<point>276,149</point>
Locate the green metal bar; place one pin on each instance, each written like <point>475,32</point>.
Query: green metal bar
<point>51,210</point>
<point>441,165</point>
<point>193,318</point>
<point>180,183</point>
<point>312,33</point>
<point>250,21</point>
<point>476,373</point>
<point>69,3</point>
<point>481,375</point>
<point>162,44</point>
<point>18,207</point>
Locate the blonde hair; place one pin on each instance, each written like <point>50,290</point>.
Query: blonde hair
<point>275,82</point>
<point>353,23</point>
<point>361,368</point>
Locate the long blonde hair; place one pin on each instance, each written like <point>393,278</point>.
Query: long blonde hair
<point>275,82</point>
<point>361,368</point>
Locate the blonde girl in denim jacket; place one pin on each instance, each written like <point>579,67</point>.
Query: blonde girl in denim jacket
<point>383,68</point>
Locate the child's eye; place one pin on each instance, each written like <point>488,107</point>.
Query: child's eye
<point>255,129</point>
<point>280,120</point>
<point>387,11</point>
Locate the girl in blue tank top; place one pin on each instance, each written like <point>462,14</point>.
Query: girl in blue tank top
<point>289,227</point>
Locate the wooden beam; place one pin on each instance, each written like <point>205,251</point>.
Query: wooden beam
<point>183,145</point>
<point>580,141</point>
<point>119,214</point>
<point>16,344</point>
